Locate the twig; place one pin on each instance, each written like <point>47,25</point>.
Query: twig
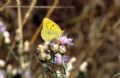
<point>40,26</point>
<point>116,24</point>
<point>116,74</point>
<point>5,5</point>
<point>20,46</point>
<point>43,7</point>
<point>29,11</point>
<point>10,51</point>
<point>52,8</point>
<point>36,73</point>
<point>20,25</point>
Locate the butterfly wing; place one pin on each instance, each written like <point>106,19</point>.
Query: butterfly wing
<point>49,34</point>
<point>50,30</point>
<point>48,23</point>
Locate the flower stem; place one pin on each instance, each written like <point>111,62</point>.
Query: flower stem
<point>64,67</point>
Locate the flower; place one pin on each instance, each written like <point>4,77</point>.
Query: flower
<point>83,66</point>
<point>2,27</point>
<point>62,49</point>
<point>44,57</point>
<point>70,66</point>
<point>2,74</point>
<point>2,63</point>
<point>54,47</point>
<point>28,74</point>
<point>65,40</point>
<point>58,59</point>
<point>6,35</point>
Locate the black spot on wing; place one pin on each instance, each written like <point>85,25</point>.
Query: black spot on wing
<point>46,26</point>
<point>52,25</point>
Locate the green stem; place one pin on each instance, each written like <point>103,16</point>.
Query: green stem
<point>64,67</point>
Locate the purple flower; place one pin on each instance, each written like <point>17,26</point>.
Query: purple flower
<point>2,27</point>
<point>58,58</point>
<point>2,74</point>
<point>52,43</point>
<point>28,74</point>
<point>64,40</point>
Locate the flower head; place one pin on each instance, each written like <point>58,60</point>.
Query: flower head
<point>28,74</point>
<point>54,47</point>
<point>62,49</point>
<point>2,27</point>
<point>58,59</point>
<point>44,57</point>
<point>2,74</point>
<point>65,40</point>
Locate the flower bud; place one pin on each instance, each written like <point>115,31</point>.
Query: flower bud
<point>42,56</point>
<point>55,48</point>
<point>62,49</point>
<point>2,63</point>
<point>40,48</point>
<point>26,46</point>
<point>48,57</point>
<point>9,68</point>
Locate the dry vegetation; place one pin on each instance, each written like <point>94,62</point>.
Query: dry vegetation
<point>94,26</point>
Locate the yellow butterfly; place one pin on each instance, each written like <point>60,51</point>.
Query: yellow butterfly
<point>50,30</point>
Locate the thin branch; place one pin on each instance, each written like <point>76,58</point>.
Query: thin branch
<point>5,5</point>
<point>42,7</point>
<point>20,25</point>
<point>29,11</point>
<point>117,24</point>
<point>116,75</point>
<point>40,26</point>
<point>20,46</point>
<point>10,51</point>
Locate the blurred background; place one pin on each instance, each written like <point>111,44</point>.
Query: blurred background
<point>94,26</point>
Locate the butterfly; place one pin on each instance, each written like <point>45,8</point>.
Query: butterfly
<point>50,30</point>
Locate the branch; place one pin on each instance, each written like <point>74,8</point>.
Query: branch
<point>29,12</point>
<point>5,5</point>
